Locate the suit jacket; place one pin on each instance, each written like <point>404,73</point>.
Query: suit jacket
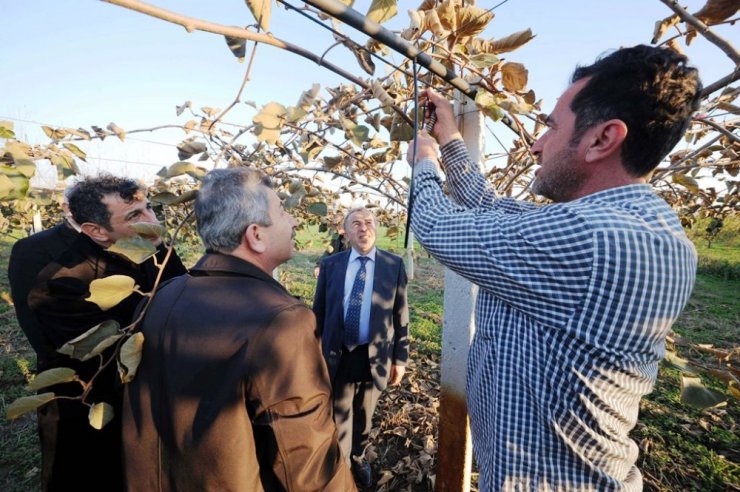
<point>27,258</point>
<point>232,393</point>
<point>389,315</point>
<point>58,302</point>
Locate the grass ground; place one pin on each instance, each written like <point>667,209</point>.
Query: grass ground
<point>680,448</point>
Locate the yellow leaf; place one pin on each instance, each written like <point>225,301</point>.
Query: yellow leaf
<point>261,12</point>
<point>6,185</point>
<point>100,414</point>
<point>269,121</point>
<point>76,151</point>
<point>686,181</point>
<point>130,357</point>
<point>514,76</point>
<point>51,377</point>
<point>27,404</point>
<point>109,291</point>
<point>382,10</point>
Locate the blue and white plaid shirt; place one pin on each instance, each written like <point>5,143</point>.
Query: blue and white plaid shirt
<point>574,304</point>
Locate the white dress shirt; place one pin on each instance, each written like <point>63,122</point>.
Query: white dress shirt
<point>367,297</point>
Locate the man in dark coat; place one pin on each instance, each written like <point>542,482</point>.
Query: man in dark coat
<point>27,258</point>
<point>232,392</point>
<point>364,327</point>
<point>75,456</point>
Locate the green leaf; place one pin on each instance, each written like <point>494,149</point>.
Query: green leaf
<point>695,394</point>
<point>382,10</point>
<point>51,377</point>
<point>100,414</point>
<point>261,12</point>
<point>26,404</point>
<point>93,342</point>
<point>136,249</point>
<point>238,47</point>
<point>318,208</point>
<point>109,291</point>
<point>180,168</point>
<point>130,357</point>
<point>360,134</point>
<point>400,130</point>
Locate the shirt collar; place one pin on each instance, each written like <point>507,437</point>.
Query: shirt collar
<point>354,254</point>
<point>620,193</point>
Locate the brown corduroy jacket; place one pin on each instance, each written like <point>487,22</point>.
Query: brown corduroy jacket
<point>232,393</point>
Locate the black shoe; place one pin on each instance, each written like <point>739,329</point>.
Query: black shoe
<point>363,473</point>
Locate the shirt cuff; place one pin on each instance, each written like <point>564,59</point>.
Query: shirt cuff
<point>454,151</point>
<point>426,165</point>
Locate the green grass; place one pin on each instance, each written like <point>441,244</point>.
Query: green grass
<point>680,448</point>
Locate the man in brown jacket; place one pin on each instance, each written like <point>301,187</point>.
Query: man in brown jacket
<point>232,392</point>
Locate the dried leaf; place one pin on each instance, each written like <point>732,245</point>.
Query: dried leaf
<point>472,20</point>
<point>662,26</point>
<point>179,109</point>
<point>510,42</point>
<point>514,76</point>
<point>117,130</point>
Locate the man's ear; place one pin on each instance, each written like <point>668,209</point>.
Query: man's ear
<point>96,232</point>
<point>605,140</point>
<point>255,239</point>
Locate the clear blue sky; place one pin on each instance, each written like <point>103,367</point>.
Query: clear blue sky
<point>83,62</point>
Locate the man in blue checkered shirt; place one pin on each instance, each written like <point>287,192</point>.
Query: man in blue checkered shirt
<point>575,298</point>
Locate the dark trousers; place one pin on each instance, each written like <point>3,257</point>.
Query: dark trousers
<point>74,455</point>
<point>355,399</point>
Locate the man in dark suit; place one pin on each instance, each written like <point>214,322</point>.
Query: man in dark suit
<point>362,312</point>
<point>27,258</point>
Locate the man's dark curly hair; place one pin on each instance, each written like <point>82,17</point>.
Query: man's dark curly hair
<point>86,197</point>
<point>652,90</point>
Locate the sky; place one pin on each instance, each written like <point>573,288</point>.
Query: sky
<point>78,63</point>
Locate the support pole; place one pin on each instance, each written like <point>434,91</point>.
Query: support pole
<point>455,447</point>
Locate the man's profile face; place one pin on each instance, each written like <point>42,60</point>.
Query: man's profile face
<point>559,175</point>
<point>360,230</point>
<point>124,214</point>
<point>281,232</point>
